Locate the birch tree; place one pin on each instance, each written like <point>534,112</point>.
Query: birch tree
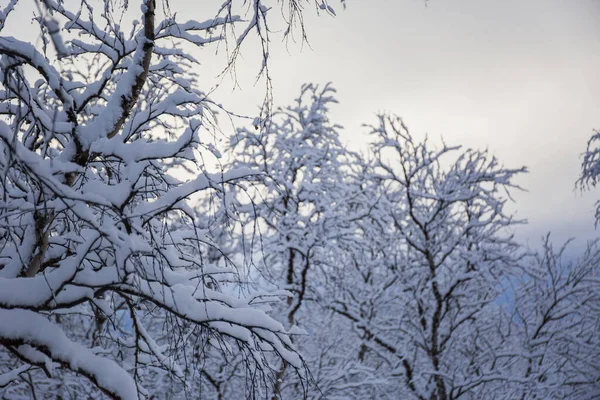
<point>590,168</point>
<point>448,250</point>
<point>306,208</point>
<point>557,314</point>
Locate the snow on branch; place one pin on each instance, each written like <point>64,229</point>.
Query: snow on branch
<point>27,327</point>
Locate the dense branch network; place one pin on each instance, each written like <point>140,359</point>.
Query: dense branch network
<point>98,127</point>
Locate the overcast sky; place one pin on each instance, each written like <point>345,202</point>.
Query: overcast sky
<point>521,78</point>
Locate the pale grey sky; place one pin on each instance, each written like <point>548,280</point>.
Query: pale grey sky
<point>519,77</point>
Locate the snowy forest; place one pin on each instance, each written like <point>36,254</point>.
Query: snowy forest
<point>154,244</point>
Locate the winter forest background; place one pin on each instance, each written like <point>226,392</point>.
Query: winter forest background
<point>165,237</point>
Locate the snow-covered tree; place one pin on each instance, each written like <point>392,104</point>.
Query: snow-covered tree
<point>557,320</point>
<point>295,203</point>
<point>430,289</point>
<point>306,209</point>
<point>590,168</point>
<point>102,268</point>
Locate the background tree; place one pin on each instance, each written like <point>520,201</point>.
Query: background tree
<point>305,208</point>
<point>557,318</point>
<point>446,255</point>
<point>590,168</point>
